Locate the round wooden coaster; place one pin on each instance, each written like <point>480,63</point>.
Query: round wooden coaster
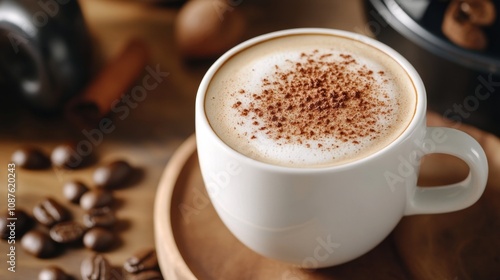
<point>193,243</point>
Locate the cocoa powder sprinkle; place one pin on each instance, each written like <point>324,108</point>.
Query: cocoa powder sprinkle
<point>315,98</point>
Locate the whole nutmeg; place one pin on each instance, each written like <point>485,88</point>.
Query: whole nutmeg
<point>206,28</point>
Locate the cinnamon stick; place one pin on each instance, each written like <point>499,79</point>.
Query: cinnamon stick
<point>109,85</point>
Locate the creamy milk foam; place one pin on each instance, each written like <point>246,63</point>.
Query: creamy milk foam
<point>310,101</point>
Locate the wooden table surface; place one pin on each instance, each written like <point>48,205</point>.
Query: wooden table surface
<point>152,131</point>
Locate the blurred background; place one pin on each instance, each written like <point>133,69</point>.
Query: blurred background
<point>91,52</point>
<point>185,39</point>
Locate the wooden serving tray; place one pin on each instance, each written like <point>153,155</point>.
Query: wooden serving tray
<point>193,243</point>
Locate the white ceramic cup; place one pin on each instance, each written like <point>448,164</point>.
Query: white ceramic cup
<point>317,217</point>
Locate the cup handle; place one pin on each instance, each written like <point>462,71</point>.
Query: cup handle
<point>453,197</point>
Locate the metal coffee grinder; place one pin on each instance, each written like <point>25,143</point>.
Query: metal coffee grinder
<point>44,52</point>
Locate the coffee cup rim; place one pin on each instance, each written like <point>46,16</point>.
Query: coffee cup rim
<point>420,108</point>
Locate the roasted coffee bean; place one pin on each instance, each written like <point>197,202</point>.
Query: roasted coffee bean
<point>67,232</point>
<point>99,217</point>
<point>96,198</point>
<point>30,158</point>
<point>11,229</point>
<point>144,259</point>
<point>96,267</point>
<point>38,244</point>
<point>53,273</point>
<point>67,156</point>
<point>99,239</point>
<point>49,212</point>
<point>147,275</point>
<point>73,190</point>
<point>113,175</point>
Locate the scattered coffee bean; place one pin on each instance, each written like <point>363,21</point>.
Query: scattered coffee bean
<point>38,244</point>
<point>95,267</point>
<point>53,273</point>
<point>99,217</point>
<point>30,158</point>
<point>96,198</point>
<point>73,190</point>
<point>147,275</point>
<point>142,260</point>
<point>113,175</point>
<point>49,212</point>
<point>99,239</point>
<point>66,156</point>
<point>67,232</point>
<point>10,229</point>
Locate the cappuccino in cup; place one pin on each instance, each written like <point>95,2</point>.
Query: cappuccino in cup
<point>315,136</point>
<point>310,100</point>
